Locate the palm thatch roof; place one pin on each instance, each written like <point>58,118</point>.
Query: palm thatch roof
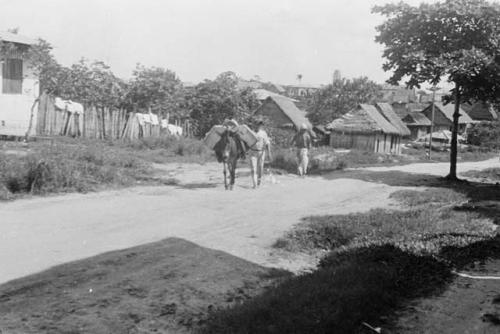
<point>290,110</point>
<point>363,119</point>
<point>387,111</point>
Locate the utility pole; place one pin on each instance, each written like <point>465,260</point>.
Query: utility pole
<point>434,89</point>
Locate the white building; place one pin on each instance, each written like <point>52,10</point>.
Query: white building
<point>19,88</point>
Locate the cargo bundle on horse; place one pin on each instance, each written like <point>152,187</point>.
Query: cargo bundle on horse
<point>230,142</point>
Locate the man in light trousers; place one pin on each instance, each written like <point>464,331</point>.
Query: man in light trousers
<point>302,141</point>
<point>258,154</point>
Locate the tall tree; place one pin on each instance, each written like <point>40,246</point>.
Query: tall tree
<point>155,88</point>
<point>341,96</point>
<point>454,40</point>
<point>213,101</point>
<point>91,83</point>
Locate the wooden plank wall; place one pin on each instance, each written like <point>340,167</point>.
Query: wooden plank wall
<point>378,143</point>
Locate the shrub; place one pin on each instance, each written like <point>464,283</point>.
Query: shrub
<point>324,159</point>
<point>485,134</point>
<point>65,167</point>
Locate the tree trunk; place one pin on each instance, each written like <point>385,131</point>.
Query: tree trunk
<point>454,136</point>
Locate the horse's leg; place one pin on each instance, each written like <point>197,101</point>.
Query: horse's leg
<point>232,170</point>
<point>225,175</point>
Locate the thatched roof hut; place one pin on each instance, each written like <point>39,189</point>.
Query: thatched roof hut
<point>283,113</point>
<point>365,128</point>
<point>363,119</point>
<point>480,111</point>
<point>443,116</point>
<point>387,111</point>
<point>418,124</point>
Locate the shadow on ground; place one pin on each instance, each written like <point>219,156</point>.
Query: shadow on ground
<point>166,286</point>
<point>368,284</point>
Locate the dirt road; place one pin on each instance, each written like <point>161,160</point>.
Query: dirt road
<point>38,233</point>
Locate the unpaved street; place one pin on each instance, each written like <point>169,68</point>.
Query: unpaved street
<point>41,232</point>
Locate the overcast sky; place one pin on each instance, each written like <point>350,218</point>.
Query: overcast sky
<point>198,39</point>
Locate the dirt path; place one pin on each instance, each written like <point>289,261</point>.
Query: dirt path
<point>41,232</point>
<point>467,306</point>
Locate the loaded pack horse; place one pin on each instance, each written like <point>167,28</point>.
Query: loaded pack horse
<point>228,150</point>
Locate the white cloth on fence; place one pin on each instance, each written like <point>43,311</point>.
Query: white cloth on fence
<point>140,118</point>
<point>60,103</point>
<point>154,119</point>
<point>164,123</point>
<point>174,130</point>
<point>68,105</point>
<point>147,118</point>
<point>74,107</point>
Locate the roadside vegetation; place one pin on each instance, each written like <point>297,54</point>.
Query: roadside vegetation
<point>489,174</point>
<point>375,262</point>
<point>326,159</point>
<point>70,165</point>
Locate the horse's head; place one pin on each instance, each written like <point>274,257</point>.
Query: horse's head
<point>224,146</point>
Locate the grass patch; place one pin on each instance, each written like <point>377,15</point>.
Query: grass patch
<point>79,165</point>
<point>60,167</point>
<point>491,174</point>
<point>420,231</point>
<point>169,149</point>
<point>348,289</point>
<point>432,196</point>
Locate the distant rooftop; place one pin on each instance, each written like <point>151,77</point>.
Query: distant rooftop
<point>16,38</point>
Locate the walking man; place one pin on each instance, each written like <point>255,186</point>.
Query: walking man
<point>302,141</point>
<point>258,154</point>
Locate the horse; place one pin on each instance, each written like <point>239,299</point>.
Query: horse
<point>228,150</point>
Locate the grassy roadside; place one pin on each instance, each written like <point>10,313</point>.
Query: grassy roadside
<point>489,174</point>
<point>377,261</point>
<point>70,165</point>
<point>325,159</point>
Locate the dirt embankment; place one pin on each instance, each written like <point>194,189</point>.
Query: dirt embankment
<point>166,287</point>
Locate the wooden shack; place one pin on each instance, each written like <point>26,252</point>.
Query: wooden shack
<point>443,117</point>
<point>283,113</point>
<point>418,124</point>
<point>365,128</point>
<point>480,111</point>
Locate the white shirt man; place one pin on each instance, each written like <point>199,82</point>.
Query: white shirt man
<point>258,154</point>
